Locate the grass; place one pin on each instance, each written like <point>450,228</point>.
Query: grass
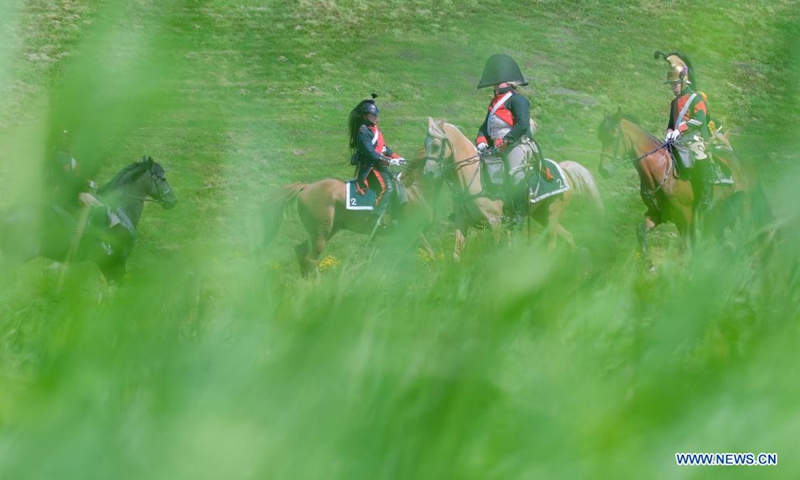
<point>216,360</point>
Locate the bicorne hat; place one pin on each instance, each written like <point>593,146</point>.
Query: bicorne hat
<point>499,69</point>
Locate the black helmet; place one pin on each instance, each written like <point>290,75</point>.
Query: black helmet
<point>501,68</point>
<point>368,106</point>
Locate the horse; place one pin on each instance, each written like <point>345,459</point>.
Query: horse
<point>667,195</point>
<point>460,163</point>
<point>103,234</point>
<point>322,210</point>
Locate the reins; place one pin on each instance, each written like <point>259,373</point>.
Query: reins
<point>617,161</point>
<point>455,167</point>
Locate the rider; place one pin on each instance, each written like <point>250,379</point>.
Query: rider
<point>67,185</point>
<point>507,128</point>
<point>688,119</point>
<point>372,156</point>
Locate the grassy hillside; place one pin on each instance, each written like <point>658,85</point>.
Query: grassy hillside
<point>216,360</point>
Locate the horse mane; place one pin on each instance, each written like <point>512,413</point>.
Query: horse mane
<point>461,137</point>
<point>412,171</point>
<point>126,176</point>
<point>615,118</point>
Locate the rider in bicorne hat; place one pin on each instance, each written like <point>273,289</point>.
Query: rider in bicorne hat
<point>506,132</point>
<point>372,156</point>
<point>688,122</point>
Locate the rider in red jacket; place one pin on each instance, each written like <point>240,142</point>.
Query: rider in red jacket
<point>506,132</point>
<point>372,156</point>
<point>688,123</point>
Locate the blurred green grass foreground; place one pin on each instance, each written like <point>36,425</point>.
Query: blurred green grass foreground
<point>215,360</point>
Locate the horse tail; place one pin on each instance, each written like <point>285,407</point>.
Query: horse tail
<point>276,208</point>
<point>583,182</point>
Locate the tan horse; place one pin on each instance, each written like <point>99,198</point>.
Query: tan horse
<point>459,159</point>
<point>667,197</point>
<point>322,210</point>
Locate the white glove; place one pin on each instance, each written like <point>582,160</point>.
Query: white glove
<point>87,199</point>
<point>672,135</point>
<point>397,161</point>
<point>482,146</point>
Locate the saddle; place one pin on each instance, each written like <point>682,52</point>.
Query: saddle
<point>721,171</point>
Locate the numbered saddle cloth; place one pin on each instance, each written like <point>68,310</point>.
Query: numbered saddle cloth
<point>358,199</point>
<point>548,181</point>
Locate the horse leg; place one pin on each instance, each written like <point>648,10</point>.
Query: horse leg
<point>301,250</point>
<point>461,238</point>
<point>564,233</point>
<point>426,246</point>
<point>318,221</point>
<point>645,227</point>
<point>317,245</point>
<point>553,225</point>
<point>461,242</point>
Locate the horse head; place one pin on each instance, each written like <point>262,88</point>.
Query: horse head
<point>158,188</point>
<point>613,141</point>
<point>455,154</point>
<point>421,166</point>
<point>625,141</point>
<point>438,146</point>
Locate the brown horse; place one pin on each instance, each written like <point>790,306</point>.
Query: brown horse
<point>667,196</point>
<point>459,159</point>
<point>322,210</point>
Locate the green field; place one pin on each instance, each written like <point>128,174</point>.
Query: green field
<point>216,360</point>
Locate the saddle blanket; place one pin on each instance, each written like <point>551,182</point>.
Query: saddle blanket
<point>357,201</point>
<point>541,187</point>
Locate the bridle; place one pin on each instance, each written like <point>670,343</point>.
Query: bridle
<point>616,161</point>
<point>162,194</point>
<point>455,166</point>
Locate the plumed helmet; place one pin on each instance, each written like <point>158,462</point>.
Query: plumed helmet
<point>680,69</point>
<point>501,68</point>
<point>369,107</point>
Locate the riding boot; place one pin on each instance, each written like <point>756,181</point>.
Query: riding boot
<point>513,205</point>
<point>702,172</point>
<point>382,211</point>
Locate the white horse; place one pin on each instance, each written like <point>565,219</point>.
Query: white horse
<point>460,164</point>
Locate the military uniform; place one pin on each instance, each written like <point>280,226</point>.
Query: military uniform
<point>688,123</point>
<point>372,156</point>
<point>65,181</point>
<point>507,127</point>
<point>371,151</point>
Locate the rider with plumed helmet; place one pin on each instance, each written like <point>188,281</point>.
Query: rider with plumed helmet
<point>371,155</point>
<point>506,130</point>
<point>688,121</point>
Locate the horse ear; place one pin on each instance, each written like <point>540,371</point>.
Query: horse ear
<point>618,114</point>
<point>150,161</point>
<point>430,122</point>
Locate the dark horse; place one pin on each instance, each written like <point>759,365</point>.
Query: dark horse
<point>668,196</point>
<point>109,233</point>
<point>322,209</point>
